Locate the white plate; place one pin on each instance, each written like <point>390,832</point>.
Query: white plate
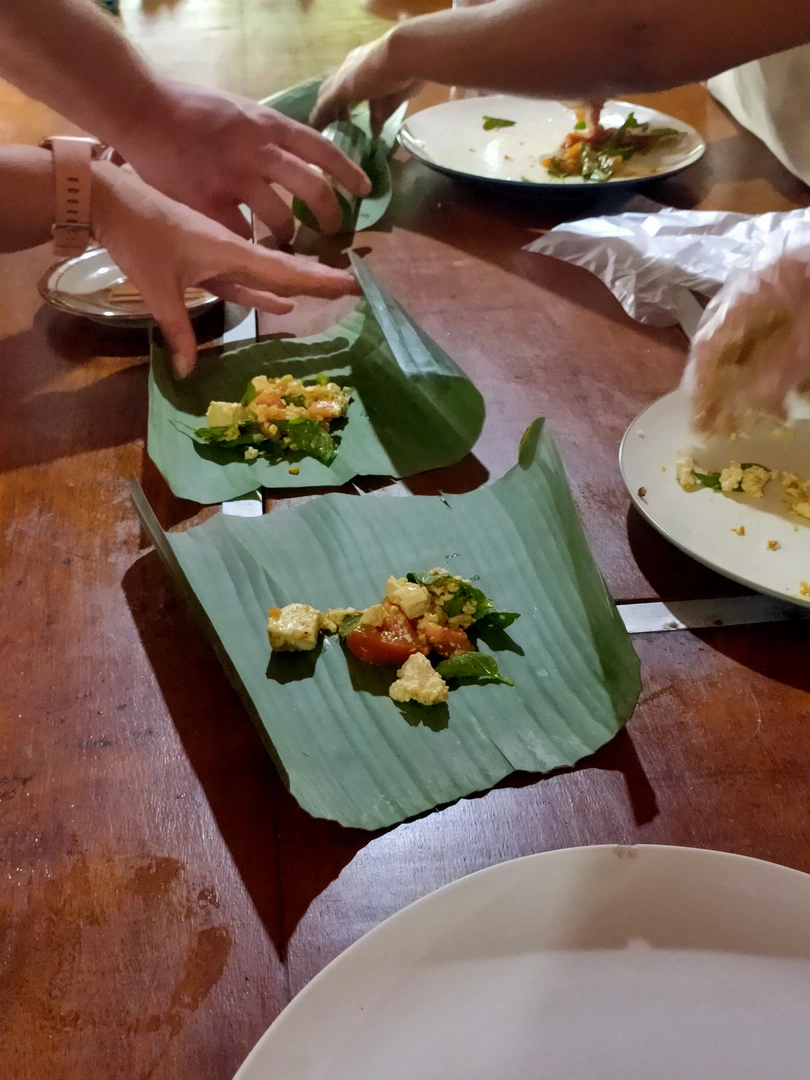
<point>701,522</point>
<point>79,286</point>
<point>450,137</point>
<point>605,963</point>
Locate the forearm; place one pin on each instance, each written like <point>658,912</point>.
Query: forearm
<point>28,196</point>
<point>69,55</point>
<point>592,48</point>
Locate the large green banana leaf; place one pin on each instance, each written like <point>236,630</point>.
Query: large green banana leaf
<point>346,750</point>
<point>405,384</point>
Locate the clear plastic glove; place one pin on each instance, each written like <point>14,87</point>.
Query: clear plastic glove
<point>213,151</point>
<point>164,248</point>
<point>752,347</point>
<point>366,74</point>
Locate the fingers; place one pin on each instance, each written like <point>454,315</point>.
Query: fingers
<point>305,143</point>
<point>249,298</point>
<point>382,108</point>
<point>269,208</point>
<point>299,179</point>
<point>332,104</point>
<point>169,311</point>
<point>289,275</point>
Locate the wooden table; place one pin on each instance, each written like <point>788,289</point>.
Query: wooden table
<point>161,894</point>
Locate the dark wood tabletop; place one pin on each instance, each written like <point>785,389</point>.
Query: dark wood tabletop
<point>162,896</point>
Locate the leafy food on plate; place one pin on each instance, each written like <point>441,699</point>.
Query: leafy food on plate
<point>748,478</point>
<point>421,615</point>
<point>277,417</point>
<point>493,122</point>
<point>596,153</point>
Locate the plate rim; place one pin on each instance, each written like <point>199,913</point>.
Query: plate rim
<point>405,138</point>
<point>582,852</point>
<point>638,503</point>
<point>144,320</point>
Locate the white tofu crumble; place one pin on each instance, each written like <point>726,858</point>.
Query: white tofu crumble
<point>418,681</point>
<point>224,413</point>
<point>294,628</point>
<point>413,599</point>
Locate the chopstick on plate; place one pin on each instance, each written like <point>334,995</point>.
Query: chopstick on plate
<point>124,292</point>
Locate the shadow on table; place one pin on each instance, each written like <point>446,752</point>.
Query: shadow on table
<point>672,574</point>
<point>223,747</point>
<point>775,650</point>
<point>313,852</point>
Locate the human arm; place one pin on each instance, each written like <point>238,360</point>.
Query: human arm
<point>209,150</point>
<point>162,246</point>
<point>563,48</point>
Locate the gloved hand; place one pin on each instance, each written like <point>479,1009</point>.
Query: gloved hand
<point>752,347</point>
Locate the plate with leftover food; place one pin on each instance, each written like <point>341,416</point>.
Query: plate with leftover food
<point>400,653</point>
<point>740,505</point>
<point>550,144</point>
<point>91,285</point>
<point>622,963</point>
<point>371,396</point>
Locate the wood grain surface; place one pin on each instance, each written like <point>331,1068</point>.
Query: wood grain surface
<point>161,895</point>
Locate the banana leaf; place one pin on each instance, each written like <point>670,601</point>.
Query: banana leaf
<point>297,103</point>
<point>404,383</point>
<point>345,749</point>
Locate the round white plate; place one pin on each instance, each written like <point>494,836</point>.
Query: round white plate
<point>451,138</point>
<point>605,963</point>
<point>701,522</point>
<point>79,286</point>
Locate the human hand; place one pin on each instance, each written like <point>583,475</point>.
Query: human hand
<point>753,344</point>
<point>214,151</point>
<point>367,74</point>
<point>164,247</point>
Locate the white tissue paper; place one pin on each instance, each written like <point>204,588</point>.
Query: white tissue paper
<point>653,262</point>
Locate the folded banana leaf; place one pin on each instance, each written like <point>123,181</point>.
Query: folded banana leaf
<point>345,749</point>
<point>405,386</point>
<point>298,101</point>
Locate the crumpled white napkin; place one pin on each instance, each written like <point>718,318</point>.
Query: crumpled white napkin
<point>652,258</point>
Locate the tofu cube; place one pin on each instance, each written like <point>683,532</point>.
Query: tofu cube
<point>294,628</point>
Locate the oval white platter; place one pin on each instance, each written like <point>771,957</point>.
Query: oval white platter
<point>451,137</point>
<point>616,963</point>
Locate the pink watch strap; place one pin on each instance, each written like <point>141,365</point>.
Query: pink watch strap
<point>72,229</point>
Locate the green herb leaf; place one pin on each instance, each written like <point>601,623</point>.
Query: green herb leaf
<point>347,624</point>
<point>310,438</point>
<point>464,595</point>
<point>709,480</point>
<point>580,126</point>
<point>249,394</point>
<point>496,620</point>
<point>491,122</point>
<point>248,433</point>
<point>472,665</point>
<point>295,399</point>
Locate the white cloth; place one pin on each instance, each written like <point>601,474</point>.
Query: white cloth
<point>771,98</point>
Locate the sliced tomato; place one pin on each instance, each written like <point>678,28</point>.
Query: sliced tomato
<point>447,640</point>
<point>375,645</point>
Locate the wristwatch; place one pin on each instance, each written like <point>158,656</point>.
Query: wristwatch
<point>72,156</point>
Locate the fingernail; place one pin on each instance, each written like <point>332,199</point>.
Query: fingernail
<point>180,366</point>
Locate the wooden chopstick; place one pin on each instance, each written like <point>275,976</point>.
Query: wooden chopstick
<point>124,292</point>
